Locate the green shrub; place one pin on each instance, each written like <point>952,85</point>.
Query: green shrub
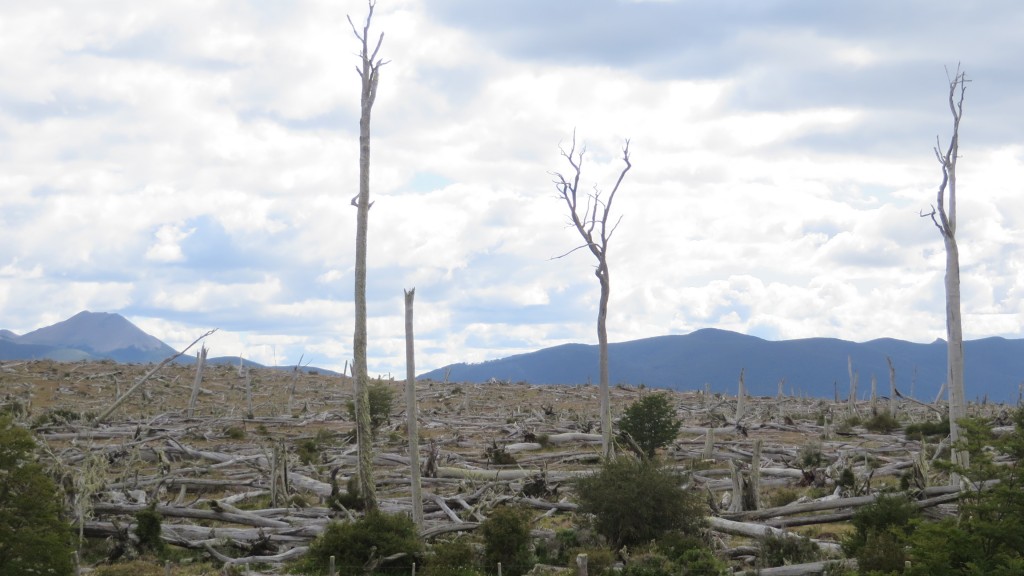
<point>929,429</point>
<point>810,456</point>
<point>636,501</point>
<point>781,496</point>
<point>889,514</point>
<point>452,558</point>
<point>368,539</point>
<point>506,534</point>
<point>782,550</point>
<point>702,562</point>
<point>650,564</point>
<point>382,399</point>
<point>147,530</point>
<point>651,422</point>
<point>988,536</point>
<point>882,423</point>
<point>33,538</point>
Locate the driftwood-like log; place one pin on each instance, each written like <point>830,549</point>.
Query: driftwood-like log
<point>179,512</point>
<point>760,530</point>
<point>809,569</point>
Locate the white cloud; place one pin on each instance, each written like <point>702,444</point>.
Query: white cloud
<point>190,165</point>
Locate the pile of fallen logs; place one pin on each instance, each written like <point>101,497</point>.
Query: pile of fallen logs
<point>259,484</point>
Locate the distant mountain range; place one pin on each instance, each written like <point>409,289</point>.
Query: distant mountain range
<point>91,336</point>
<point>86,336</point>
<point>816,367</point>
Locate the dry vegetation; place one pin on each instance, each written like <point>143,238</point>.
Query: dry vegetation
<point>237,487</point>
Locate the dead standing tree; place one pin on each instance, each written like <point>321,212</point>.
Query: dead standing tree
<point>943,215</point>
<point>591,221</point>
<point>369,72</point>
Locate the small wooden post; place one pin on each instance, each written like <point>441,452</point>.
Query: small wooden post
<point>874,395</point>
<point>736,505</point>
<point>893,401</point>
<point>200,363</point>
<point>755,475</point>
<point>740,398</point>
<point>581,565</point>
<point>330,567</point>
<point>709,444</point>
<point>248,394</point>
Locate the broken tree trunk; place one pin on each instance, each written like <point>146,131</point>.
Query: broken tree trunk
<point>200,362</point>
<point>117,403</point>
<point>411,412</point>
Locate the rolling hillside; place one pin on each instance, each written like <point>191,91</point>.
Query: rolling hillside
<point>810,366</point>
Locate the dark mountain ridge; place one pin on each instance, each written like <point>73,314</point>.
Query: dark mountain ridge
<point>86,336</point>
<point>92,336</point>
<point>817,367</point>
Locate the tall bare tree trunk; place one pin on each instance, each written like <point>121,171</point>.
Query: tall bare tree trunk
<point>369,72</point>
<point>607,446</point>
<point>593,226</point>
<point>943,215</point>
<point>411,411</point>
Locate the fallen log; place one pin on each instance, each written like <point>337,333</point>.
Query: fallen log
<point>760,530</point>
<point>180,512</point>
<point>804,569</point>
<point>276,559</point>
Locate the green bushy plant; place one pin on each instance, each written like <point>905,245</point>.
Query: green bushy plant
<point>636,501</point>
<point>882,423</point>
<point>382,400</point>
<point>33,537</point>
<point>369,539</point>
<point>927,430</point>
<point>781,550</point>
<point>452,558</point>
<point>988,536</point>
<point>506,534</point>
<point>881,532</point>
<point>650,564</point>
<point>651,422</point>
<point>148,528</point>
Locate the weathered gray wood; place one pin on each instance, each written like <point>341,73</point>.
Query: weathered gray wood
<point>369,73</point>
<point>181,512</point>
<point>760,530</point>
<point>808,569</point>
<point>200,362</point>
<point>120,400</point>
<point>411,412</point>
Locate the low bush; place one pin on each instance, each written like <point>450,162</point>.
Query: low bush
<point>782,550</point>
<point>506,534</point>
<point>382,399</point>
<point>452,558</point>
<point>929,429</point>
<point>882,423</point>
<point>651,422</point>
<point>636,501</point>
<point>366,541</point>
<point>33,537</point>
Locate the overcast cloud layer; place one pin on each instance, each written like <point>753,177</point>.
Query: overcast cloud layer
<point>190,165</point>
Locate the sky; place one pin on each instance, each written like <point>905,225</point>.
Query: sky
<point>190,165</point>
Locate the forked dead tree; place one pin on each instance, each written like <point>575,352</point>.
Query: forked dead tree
<point>943,215</point>
<point>369,73</point>
<point>591,220</point>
